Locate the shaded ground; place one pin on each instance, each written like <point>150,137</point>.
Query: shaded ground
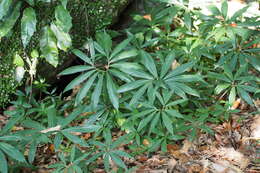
<point>235,148</point>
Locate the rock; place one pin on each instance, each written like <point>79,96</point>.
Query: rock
<point>87,16</point>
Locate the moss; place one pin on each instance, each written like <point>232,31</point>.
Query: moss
<point>88,16</point>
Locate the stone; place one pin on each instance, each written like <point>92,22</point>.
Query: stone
<point>87,17</point>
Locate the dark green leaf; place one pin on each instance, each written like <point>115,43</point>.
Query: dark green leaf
<point>3,163</point>
<point>32,151</point>
<point>131,85</point>
<point>245,96</point>
<point>78,80</point>
<point>85,88</point>
<point>75,69</point>
<point>120,47</point>
<point>167,122</point>
<point>97,92</point>
<point>124,55</point>
<point>82,56</point>
<point>111,89</point>
<point>149,63</point>
<point>12,152</point>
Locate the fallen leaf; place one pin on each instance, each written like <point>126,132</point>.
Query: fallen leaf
<point>146,142</point>
<point>175,64</point>
<point>148,17</point>
<point>186,146</point>
<point>171,164</point>
<point>236,104</point>
<point>56,128</point>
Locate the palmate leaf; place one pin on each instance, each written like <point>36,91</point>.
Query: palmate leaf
<point>150,81</point>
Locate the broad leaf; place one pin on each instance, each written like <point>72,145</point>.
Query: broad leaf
<point>28,25</point>
<point>48,46</point>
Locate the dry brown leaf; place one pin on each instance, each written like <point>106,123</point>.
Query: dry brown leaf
<point>186,146</point>
<point>255,127</point>
<point>236,104</point>
<point>175,64</point>
<point>56,128</point>
<point>146,142</point>
<point>232,156</point>
<point>148,17</point>
<point>171,164</point>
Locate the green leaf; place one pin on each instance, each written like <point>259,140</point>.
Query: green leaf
<point>255,62</point>
<point>31,2</point>
<point>57,141</point>
<point>74,139</point>
<point>173,113</point>
<point>72,116</point>
<point>149,63</point>
<point>186,89</point>
<point>219,88</point>
<point>18,61</point>
<point>3,163</point>
<point>214,10</point>
<point>4,7</point>
<point>63,38</point>
<point>85,88</point>
<point>28,25</point>
<point>75,69</point>
<point>10,138</point>
<point>117,160</point>
<point>239,13</point>
<point>105,41</point>
<point>78,80</point>
<point>124,55</point>
<point>179,70</point>
<point>63,18</point>
<point>145,121</point>
<point>48,46</point>
<point>224,8</point>
<point>232,96</point>
<point>131,85</point>
<point>88,128</point>
<point>121,153</point>
<point>72,153</point>
<point>187,20</point>
<point>120,47</point>
<point>10,20</point>
<point>138,94</point>
<point>245,96</point>
<point>12,152</point>
<point>97,92</point>
<point>167,122</point>
<point>32,151</point>
<point>167,64</point>
<point>111,89</point>
<point>120,75</point>
<point>82,56</point>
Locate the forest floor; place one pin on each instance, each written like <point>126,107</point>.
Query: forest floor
<point>234,148</point>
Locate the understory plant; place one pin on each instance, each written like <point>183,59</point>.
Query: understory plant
<point>176,71</point>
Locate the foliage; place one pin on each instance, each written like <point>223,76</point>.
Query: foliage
<point>176,71</point>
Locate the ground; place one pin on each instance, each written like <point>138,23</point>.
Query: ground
<point>234,148</point>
